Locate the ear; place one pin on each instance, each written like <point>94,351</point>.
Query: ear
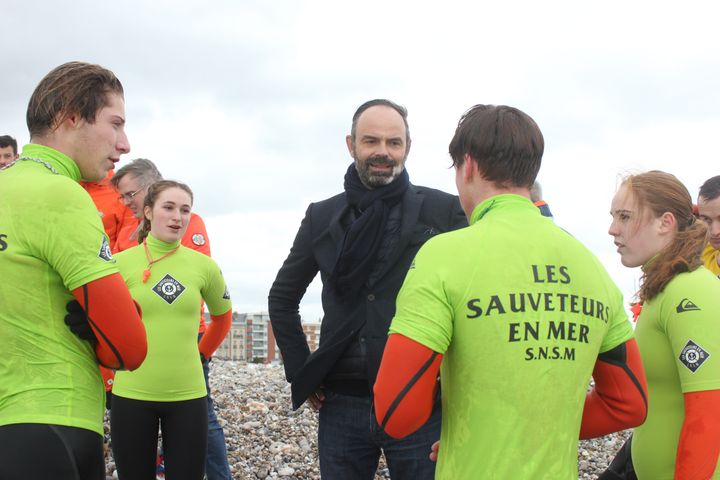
<point>147,211</point>
<point>470,168</point>
<point>72,120</point>
<point>668,223</point>
<point>349,143</point>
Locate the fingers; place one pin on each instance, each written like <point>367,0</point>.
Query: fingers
<point>316,399</point>
<point>314,402</point>
<point>434,451</point>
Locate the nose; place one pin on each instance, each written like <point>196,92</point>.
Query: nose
<point>715,229</point>
<point>612,229</point>
<point>382,149</point>
<point>123,144</point>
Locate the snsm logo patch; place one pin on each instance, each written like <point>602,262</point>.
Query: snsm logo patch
<point>168,289</point>
<point>693,356</point>
<point>105,252</point>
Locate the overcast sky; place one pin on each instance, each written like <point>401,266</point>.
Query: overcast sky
<point>250,101</point>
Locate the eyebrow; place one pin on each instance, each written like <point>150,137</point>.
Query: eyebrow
<point>170,202</point>
<point>620,210</point>
<point>372,136</point>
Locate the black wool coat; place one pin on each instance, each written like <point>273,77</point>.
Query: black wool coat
<point>425,213</point>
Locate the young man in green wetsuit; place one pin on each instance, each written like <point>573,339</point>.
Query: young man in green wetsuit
<point>53,250</point>
<point>515,323</point>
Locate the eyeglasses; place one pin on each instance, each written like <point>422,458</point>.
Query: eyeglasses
<point>127,197</point>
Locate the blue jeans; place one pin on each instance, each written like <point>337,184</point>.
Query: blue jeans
<point>216,465</point>
<point>350,441</point>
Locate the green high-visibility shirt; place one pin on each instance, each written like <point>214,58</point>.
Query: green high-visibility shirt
<point>170,302</point>
<point>678,333</point>
<point>520,310</point>
<point>51,242</point>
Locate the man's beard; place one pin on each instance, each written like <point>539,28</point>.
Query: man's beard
<point>378,179</point>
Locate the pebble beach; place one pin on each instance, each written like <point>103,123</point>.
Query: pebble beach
<point>266,440</point>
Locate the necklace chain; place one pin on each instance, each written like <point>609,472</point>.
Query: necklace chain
<point>32,159</point>
<point>146,272</point>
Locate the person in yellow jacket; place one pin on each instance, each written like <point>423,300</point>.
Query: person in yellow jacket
<point>709,212</point>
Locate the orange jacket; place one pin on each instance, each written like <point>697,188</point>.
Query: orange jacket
<point>195,237</point>
<point>115,215</point>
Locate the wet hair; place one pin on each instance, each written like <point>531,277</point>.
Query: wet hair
<point>506,144</point>
<point>73,88</point>
<point>655,193</point>
<point>385,103</point>
<point>710,190</point>
<point>152,195</point>
<point>142,169</point>
<point>8,141</point>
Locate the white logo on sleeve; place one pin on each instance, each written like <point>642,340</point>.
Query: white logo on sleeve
<point>105,252</point>
<point>693,356</point>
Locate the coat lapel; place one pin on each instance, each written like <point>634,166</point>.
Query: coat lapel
<point>335,227</point>
<point>411,203</point>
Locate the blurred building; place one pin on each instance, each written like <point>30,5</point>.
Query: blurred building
<point>312,333</point>
<point>260,346</point>
<point>251,339</point>
<point>233,347</point>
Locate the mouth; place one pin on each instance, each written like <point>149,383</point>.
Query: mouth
<point>381,166</point>
<point>175,227</point>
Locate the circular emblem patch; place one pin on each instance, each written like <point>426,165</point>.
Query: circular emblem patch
<point>198,239</point>
<point>168,288</point>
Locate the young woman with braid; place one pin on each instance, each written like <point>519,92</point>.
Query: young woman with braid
<point>678,332</point>
<point>169,281</point>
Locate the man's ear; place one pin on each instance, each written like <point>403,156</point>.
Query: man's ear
<point>70,122</point>
<point>349,143</point>
<point>470,167</point>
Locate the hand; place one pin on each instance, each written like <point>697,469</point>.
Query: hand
<point>435,451</point>
<point>77,320</point>
<point>316,399</point>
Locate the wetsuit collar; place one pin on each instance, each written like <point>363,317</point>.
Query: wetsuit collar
<point>158,246</point>
<point>499,201</point>
<point>62,164</point>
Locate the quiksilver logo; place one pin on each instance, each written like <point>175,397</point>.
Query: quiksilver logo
<point>686,305</point>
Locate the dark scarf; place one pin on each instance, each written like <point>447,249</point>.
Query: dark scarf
<point>364,235</point>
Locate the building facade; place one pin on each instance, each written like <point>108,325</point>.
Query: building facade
<point>251,339</point>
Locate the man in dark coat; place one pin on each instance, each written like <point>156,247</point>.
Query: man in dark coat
<point>362,242</point>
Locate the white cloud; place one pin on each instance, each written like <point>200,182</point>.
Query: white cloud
<point>249,102</point>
